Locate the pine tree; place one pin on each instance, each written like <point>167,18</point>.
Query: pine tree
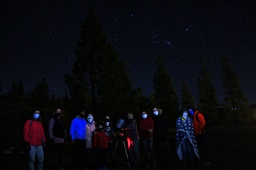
<point>115,88</point>
<point>40,95</point>
<point>165,94</point>
<point>186,97</point>
<point>206,94</point>
<point>235,103</point>
<point>17,92</point>
<point>99,81</point>
<point>91,46</point>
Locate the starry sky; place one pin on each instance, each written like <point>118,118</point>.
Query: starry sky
<point>38,38</point>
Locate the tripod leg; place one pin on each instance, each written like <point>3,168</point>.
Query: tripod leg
<point>114,150</point>
<point>126,154</point>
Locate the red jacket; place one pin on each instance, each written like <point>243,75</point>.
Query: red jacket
<point>33,132</point>
<point>199,122</point>
<point>144,126</point>
<point>100,140</point>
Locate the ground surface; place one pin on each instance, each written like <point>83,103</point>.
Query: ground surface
<point>231,148</point>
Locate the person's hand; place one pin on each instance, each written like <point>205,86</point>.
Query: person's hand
<point>150,130</point>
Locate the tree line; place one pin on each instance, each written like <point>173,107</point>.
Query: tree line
<point>99,83</point>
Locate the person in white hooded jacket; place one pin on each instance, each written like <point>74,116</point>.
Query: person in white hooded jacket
<point>90,128</point>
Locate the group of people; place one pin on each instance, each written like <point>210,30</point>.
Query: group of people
<point>89,137</point>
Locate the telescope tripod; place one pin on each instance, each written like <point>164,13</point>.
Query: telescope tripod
<point>125,150</point>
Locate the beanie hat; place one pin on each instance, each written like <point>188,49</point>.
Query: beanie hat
<point>90,116</point>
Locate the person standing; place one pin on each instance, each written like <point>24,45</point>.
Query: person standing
<point>100,143</point>
<point>34,136</point>
<point>161,138</point>
<point>133,140</point>
<point>110,133</point>
<point>199,130</point>
<point>186,141</point>
<point>146,126</point>
<point>57,134</point>
<point>90,128</point>
<point>78,138</point>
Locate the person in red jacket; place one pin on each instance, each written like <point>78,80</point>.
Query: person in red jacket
<point>146,126</point>
<point>100,143</point>
<point>199,131</point>
<point>33,135</point>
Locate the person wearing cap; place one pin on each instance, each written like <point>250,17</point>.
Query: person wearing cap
<point>78,138</point>
<point>90,128</point>
<point>57,134</point>
<point>133,140</point>
<point>33,135</point>
<point>161,138</point>
<point>146,126</point>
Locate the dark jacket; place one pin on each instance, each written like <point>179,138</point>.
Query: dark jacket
<point>161,126</point>
<point>57,130</point>
<point>132,131</point>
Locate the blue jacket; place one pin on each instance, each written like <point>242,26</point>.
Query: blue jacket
<point>78,128</point>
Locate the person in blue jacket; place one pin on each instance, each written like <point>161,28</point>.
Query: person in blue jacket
<point>78,138</point>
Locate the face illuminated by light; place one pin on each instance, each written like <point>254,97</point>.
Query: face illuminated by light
<point>36,114</point>
<point>155,111</point>
<point>144,115</point>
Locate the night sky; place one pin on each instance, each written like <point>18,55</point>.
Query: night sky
<point>38,38</point>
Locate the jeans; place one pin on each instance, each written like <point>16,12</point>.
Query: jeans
<point>36,152</point>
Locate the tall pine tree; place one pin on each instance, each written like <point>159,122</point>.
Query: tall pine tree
<point>98,80</point>
<point>235,102</point>
<point>165,94</point>
<point>206,94</point>
<point>186,97</point>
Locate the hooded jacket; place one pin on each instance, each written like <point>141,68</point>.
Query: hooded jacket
<point>90,128</point>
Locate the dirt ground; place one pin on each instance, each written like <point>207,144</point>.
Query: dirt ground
<point>231,148</point>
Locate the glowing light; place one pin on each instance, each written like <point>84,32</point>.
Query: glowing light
<point>129,142</point>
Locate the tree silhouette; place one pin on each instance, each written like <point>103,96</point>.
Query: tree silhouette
<point>235,103</point>
<point>16,94</point>
<point>206,94</point>
<point>186,97</point>
<point>165,94</point>
<point>99,81</point>
<point>39,97</point>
